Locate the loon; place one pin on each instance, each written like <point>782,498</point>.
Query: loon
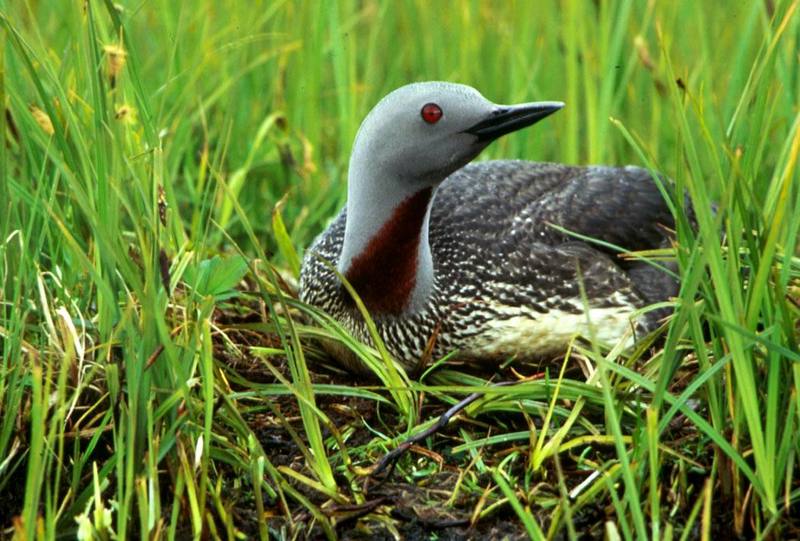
<point>451,256</point>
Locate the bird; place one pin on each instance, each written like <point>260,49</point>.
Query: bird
<point>487,261</point>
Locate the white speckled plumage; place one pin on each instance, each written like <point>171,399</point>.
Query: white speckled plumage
<point>493,279</point>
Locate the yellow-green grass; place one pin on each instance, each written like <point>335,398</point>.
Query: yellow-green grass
<point>163,165</point>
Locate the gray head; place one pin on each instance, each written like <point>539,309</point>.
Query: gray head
<point>409,143</point>
<point>422,132</point>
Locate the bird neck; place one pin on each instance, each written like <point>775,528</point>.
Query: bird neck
<point>386,255</point>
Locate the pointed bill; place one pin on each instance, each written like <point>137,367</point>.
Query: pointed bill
<point>506,119</point>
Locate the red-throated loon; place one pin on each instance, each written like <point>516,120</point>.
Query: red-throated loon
<point>464,256</point>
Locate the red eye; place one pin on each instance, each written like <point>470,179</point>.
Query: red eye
<point>431,113</point>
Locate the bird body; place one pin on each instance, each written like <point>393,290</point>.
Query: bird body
<point>449,257</point>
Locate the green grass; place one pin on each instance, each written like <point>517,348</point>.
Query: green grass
<point>162,166</point>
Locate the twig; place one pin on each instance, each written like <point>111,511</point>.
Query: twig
<point>389,461</point>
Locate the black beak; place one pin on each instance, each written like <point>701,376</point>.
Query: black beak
<point>506,119</point>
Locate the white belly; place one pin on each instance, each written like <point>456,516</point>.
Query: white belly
<point>535,334</point>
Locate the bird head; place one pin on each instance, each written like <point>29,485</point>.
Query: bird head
<point>423,132</point>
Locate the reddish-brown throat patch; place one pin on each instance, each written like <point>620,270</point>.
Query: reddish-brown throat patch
<point>385,273</point>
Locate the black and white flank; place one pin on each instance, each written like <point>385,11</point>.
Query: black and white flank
<point>462,256</point>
